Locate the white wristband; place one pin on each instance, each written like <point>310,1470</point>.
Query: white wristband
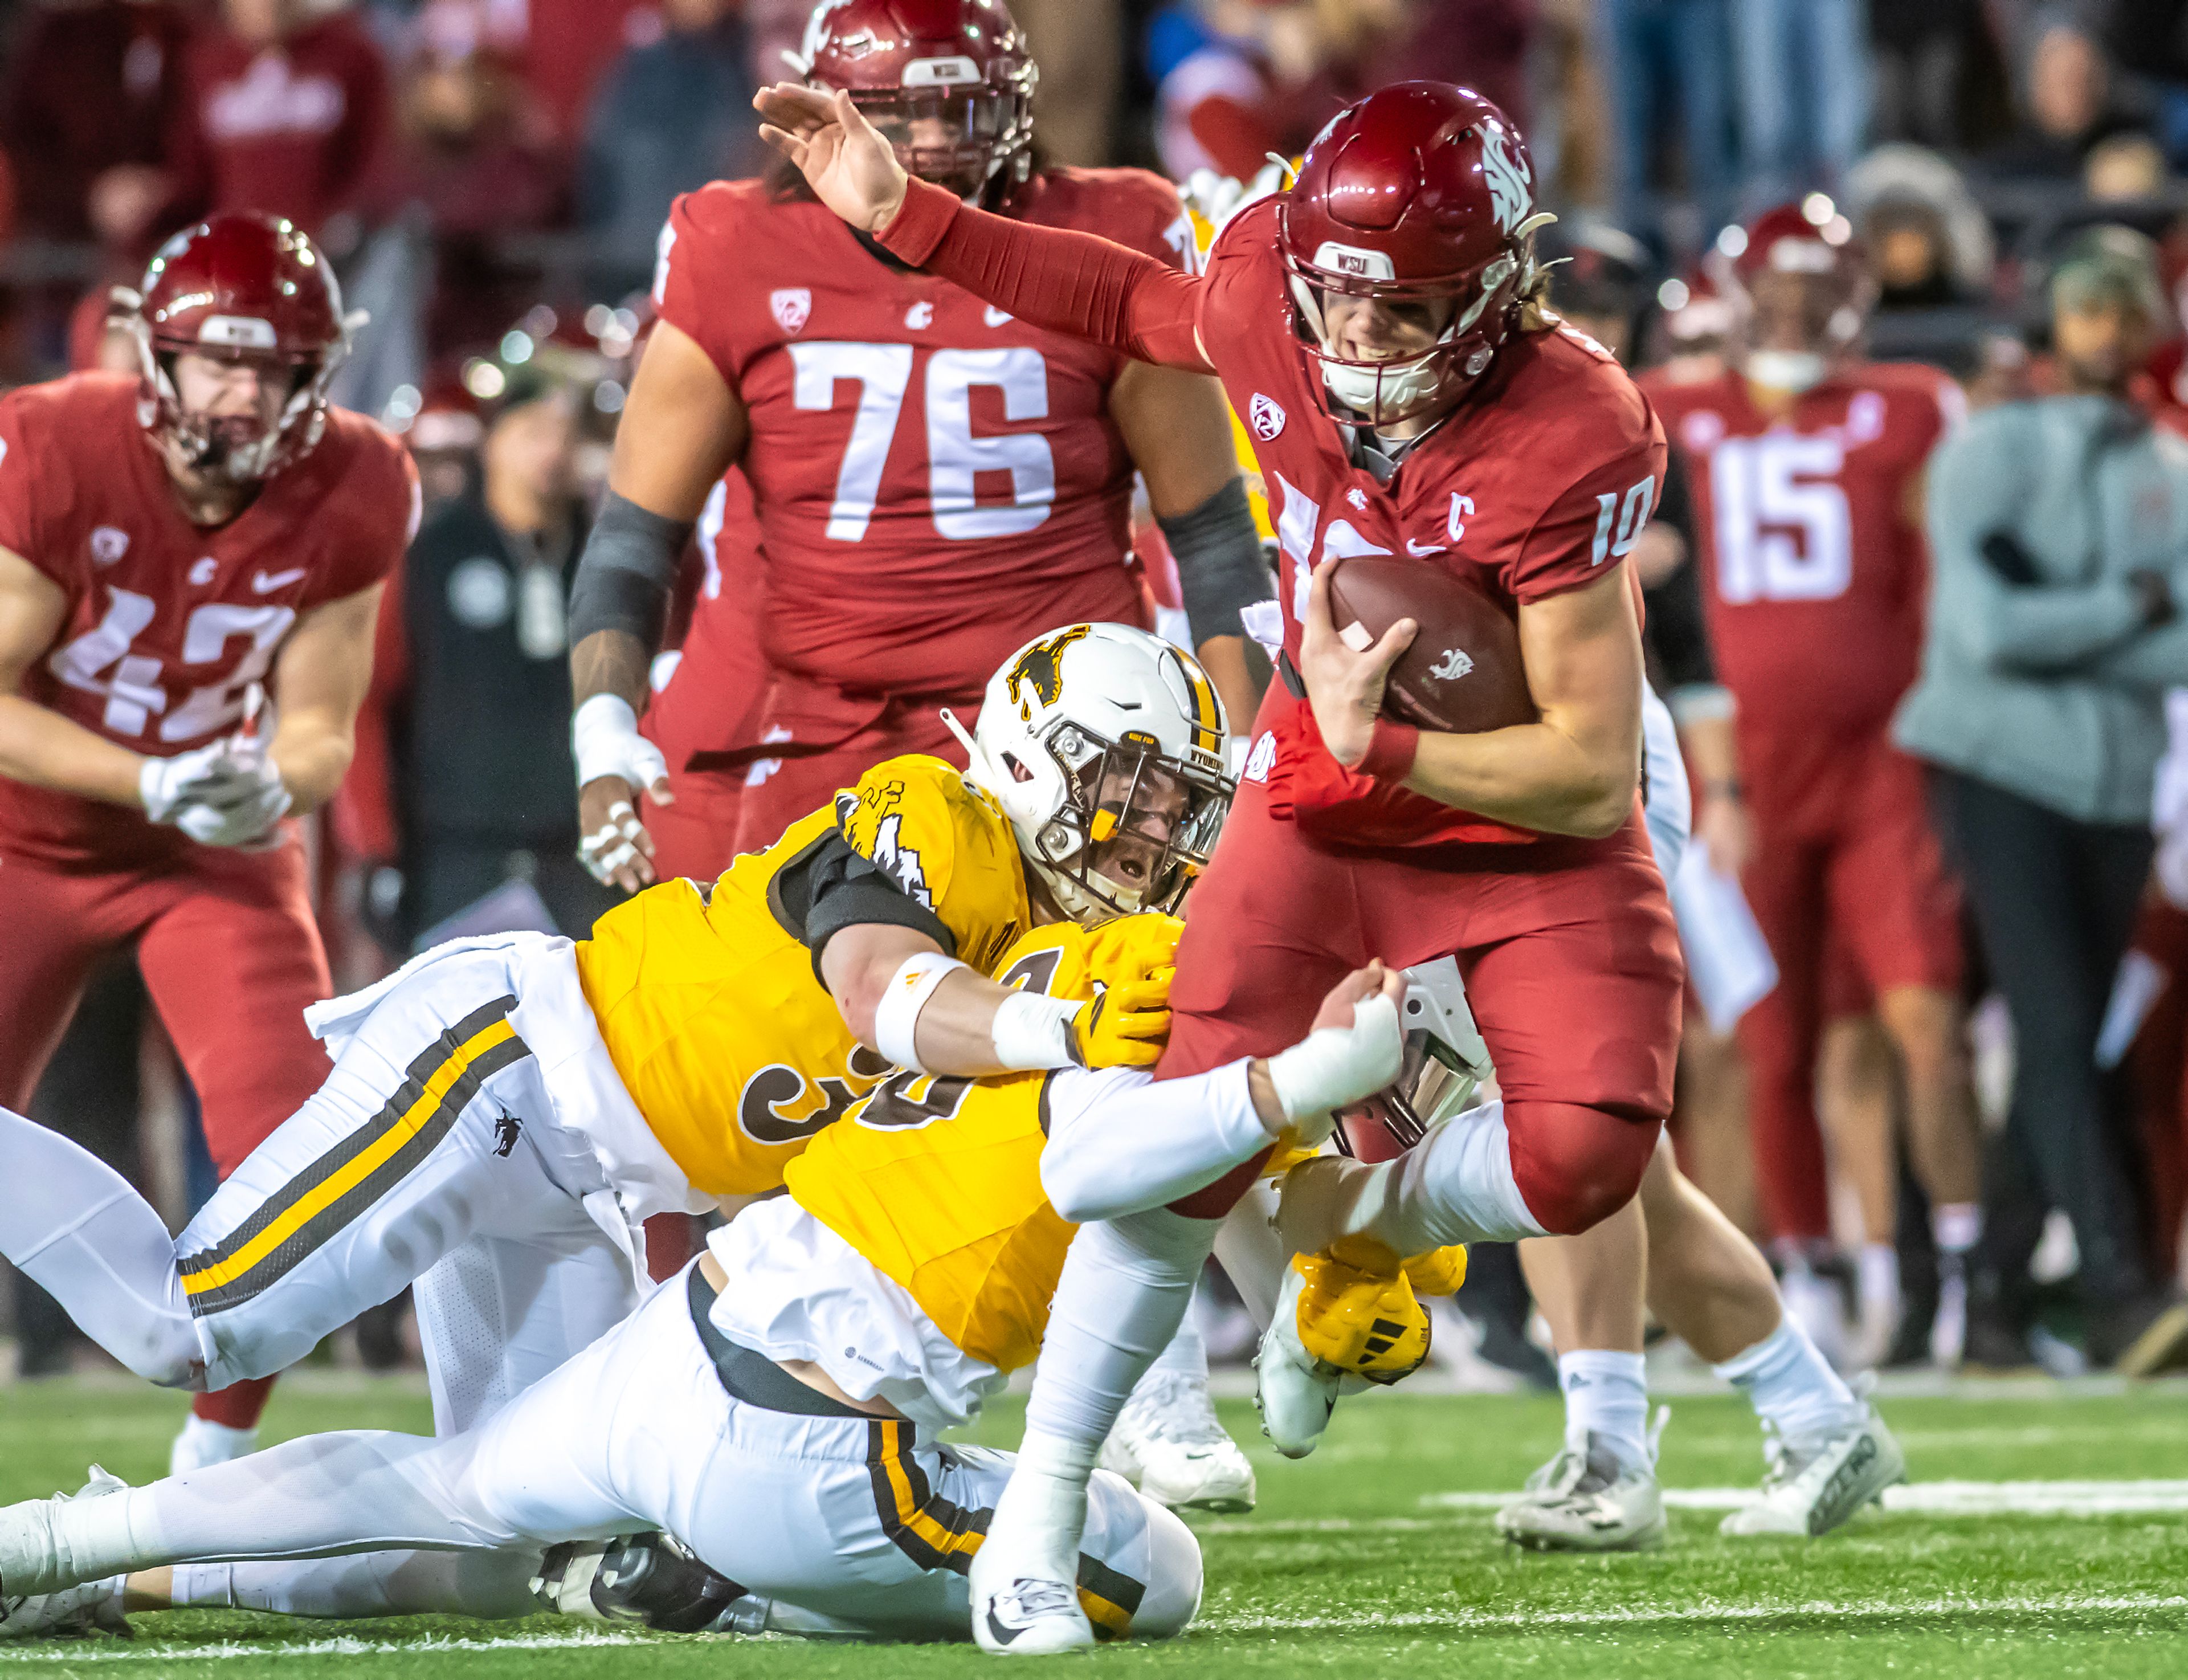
<point>602,733</point>
<point>896,1016</point>
<point>1336,1066</point>
<point>1032,1030</point>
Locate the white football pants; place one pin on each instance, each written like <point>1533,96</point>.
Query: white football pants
<point>857,1519</point>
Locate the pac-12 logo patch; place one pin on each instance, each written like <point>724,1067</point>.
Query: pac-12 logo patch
<point>793,307</point>
<point>109,543</point>
<point>1266,419</point>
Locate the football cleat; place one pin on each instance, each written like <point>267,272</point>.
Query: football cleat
<point>1588,1499</point>
<point>1027,1616</point>
<point>1168,1444</point>
<point>1816,1483</point>
<point>1340,1327</point>
<point>649,1578</point>
<point>31,1551</point>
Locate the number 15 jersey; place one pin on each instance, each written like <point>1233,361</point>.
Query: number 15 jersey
<point>168,623</point>
<point>1807,530</point>
<point>935,480</point>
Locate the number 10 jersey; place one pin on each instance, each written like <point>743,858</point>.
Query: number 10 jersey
<point>935,481</point>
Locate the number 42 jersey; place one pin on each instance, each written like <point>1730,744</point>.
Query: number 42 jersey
<point>167,624</point>
<point>1808,530</point>
<point>935,480</point>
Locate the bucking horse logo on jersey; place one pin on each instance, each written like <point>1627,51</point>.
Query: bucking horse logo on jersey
<point>1041,668</point>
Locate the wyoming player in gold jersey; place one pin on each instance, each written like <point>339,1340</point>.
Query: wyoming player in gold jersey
<point>504,1113</point>
<point>774,1409</point>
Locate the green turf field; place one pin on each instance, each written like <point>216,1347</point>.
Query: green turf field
<point>1357,1562</point>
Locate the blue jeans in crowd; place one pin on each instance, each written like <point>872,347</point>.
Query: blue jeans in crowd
<point>1667,63</point>
<point>1804,94</point>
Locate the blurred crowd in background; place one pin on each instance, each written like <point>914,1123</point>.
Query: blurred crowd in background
<point>492,178</point>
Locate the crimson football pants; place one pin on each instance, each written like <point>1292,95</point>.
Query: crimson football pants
<point>721,813</point>
<point>1571,965</point>
<point>230,953</point>
<point>1846,870</point>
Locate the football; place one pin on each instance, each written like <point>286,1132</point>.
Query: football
<point>1462,673</point>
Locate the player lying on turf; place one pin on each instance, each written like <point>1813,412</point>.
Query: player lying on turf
<point>504,1113</point>
<point>774,1408</point>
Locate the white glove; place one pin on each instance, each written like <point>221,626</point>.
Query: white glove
<point>227,794</point>
<point>1337,1067</point>
<point>604,741</point>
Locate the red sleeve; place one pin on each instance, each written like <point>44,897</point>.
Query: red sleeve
<point>1068,282</point>
<point>1592,525</point>
<point>376,503</point>
<point>18,487</point>
<point>1236,135</point>
<point>698,247</point>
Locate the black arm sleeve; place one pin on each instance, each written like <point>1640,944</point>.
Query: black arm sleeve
<point>1678,639</point>
<point>1219,567</point>
<point>626,573</point>
<point>842,887</point>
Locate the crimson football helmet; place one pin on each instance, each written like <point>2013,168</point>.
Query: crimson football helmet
<point>1419,192</point>
<point>949,83</point>
<point>1802,287</point>
<point>245,287</point>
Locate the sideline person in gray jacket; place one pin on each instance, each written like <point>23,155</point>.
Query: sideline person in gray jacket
<point>2059,530</point>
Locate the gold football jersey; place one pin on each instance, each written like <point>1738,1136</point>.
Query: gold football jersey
<point>731,1047</point>
<point>937,1181</point>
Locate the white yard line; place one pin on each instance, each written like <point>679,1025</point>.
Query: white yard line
<point>1932,1498</point>
<point>1880,1610</point>
<point>72,1652</point>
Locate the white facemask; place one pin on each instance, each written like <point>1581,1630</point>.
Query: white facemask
<point>1793,370</point>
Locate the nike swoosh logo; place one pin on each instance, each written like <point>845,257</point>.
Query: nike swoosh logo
<point>994,317</point>
<point>266,583</point>
<point>1000,1634</point>
<point>1421,551</point>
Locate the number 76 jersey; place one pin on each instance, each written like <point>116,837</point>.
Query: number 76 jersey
<point>935,481</point>
<point>166,624</point>
<point>1807,530</point>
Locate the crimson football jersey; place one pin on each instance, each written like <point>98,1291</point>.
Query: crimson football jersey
<point>935,480</point>
<point>1812,569</point>
<point>168,624</point>
<point>1542,477</point>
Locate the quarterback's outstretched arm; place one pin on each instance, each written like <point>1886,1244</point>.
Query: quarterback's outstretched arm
<point>1065,281</point>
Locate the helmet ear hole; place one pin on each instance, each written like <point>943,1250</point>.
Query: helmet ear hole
<point>1017,768</point>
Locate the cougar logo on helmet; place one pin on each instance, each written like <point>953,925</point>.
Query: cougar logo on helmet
<point>1040,667</point>
<point>1511,196</point>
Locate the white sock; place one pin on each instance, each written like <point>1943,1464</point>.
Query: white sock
<point>1126,1286</point>
<point>1186,1355</point>
<point>1956,1227</point>
<point>1455,1186</point>
<point>1878,1270</point>
<point>90,1241</point>
<point>1607,1394</point>
<point>1041,1513</point>
<point>1790,1384</point>
<point>202,1442</point>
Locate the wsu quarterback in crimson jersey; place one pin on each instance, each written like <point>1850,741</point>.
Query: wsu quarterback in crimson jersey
<point>172,546</point>
<point>1805,464</point>
<point>1379,325</point>
<point>932,481</point>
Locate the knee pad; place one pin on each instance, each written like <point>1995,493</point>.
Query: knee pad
<point>1576,1166</point>
<point>1173,1576</point>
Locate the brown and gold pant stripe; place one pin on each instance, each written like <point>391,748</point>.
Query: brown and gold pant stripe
<point>438,1085</point>
<point>936,1534</point>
